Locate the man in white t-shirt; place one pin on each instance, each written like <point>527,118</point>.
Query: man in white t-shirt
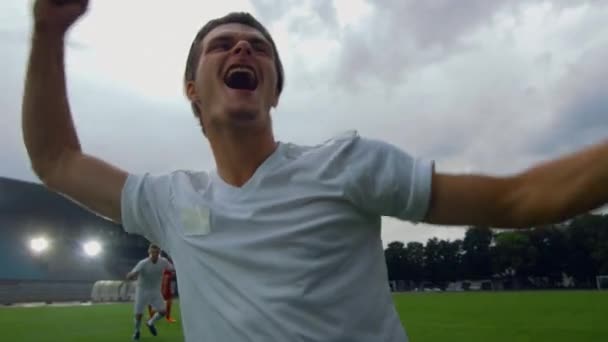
<point>281,242</point>
<point>149,272</point>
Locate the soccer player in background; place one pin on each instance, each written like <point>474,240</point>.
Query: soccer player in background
<point>149,273</point>
<point>167,293</point>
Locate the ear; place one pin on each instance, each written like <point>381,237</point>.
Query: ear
<point>275,100</point>
<point>191,92</point>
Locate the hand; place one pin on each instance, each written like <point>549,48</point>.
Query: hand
<point>57,16</point>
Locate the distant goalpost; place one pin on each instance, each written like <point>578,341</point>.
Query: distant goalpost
<point>602,282</point>
<point>108,291</point>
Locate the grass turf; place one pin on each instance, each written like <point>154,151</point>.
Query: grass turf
<point>430,317</point>
<point>505,316</point>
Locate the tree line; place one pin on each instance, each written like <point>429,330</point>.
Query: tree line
<point>539,257</point>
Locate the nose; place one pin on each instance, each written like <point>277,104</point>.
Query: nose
<point>242,48</point>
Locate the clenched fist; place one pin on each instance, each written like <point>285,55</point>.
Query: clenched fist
<point>56,16</point>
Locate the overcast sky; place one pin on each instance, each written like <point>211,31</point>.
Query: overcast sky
<point>477,85</point>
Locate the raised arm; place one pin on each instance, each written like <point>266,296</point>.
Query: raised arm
<point>547,193</point>
<point>48,129</point>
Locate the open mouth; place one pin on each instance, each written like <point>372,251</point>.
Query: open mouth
<point>241,77</point>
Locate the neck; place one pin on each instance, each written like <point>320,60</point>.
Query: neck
<point>239,153</point>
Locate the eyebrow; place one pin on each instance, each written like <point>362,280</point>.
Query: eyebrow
<point>229,38</point>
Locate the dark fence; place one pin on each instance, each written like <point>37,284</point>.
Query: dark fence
<point>27,291</point>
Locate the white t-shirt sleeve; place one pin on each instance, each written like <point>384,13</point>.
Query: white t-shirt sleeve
<point>387,181</point>
<point>145,206</point>
<point>138,266</point>
<point>167,264</point>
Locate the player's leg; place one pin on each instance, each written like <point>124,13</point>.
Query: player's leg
<point>156,301</point>
<point>136,333</point>
<point>168,303</point>
<point>139,309</point>
<point>150,311</point>
<point>166,292</point>
<point>158,304</point>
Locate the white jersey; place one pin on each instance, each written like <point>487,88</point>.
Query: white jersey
<point>295,254</point>
<point>150,274</point>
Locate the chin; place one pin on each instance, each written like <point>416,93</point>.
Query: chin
<point>244,112</point>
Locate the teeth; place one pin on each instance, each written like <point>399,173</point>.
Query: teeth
<point>241,69</point>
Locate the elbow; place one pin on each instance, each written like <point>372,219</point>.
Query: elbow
<point>45,171</point>
<point>49,169</point>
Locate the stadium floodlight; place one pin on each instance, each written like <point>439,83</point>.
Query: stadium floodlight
<point>39,245</point>
<point>92,248</point>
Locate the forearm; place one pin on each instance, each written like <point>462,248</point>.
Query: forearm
<point>566,187</point>
<point>48,129</point>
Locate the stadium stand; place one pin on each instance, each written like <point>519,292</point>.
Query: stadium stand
<point>64,272</point>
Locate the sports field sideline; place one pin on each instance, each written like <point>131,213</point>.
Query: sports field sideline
<point>429,317</point>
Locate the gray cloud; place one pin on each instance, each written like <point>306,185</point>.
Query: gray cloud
<point>318,19</point>
<point>402,35</point>
<point>20,37</point>
<point>581,104</point>
<point>326,11</point>
<point>271,10</point>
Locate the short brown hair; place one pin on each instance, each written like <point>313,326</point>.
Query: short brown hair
<point>231,18</point>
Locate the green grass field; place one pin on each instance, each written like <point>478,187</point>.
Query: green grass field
<point>429,317</point>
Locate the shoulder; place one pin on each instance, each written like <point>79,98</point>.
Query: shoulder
<point>334,146</point>
<point>346,150</point>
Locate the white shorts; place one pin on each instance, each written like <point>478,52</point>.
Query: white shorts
<point>145,298</point>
